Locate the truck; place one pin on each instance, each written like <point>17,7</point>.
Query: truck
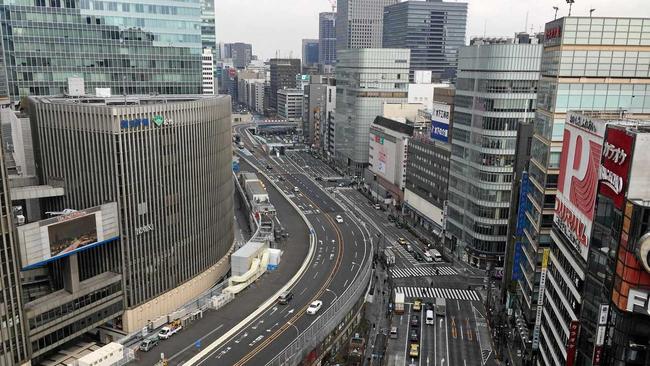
<point>149,343</point>
<point>441,306</point>
<point>170,329</point>
<point>399,303</point>
<point>435,254</point>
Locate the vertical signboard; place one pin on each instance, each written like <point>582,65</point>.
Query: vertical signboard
<point>440,122</point>
<point>578,179</point>
<point>540,298</point>
<point>521,222</point>
<point>603,315</point>
<point>615,165</point>
<point>572,342</point>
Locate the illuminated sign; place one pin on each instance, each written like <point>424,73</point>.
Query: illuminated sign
<point>540,298</point>
<point>552,33</point>
<point>638,302</point>
<point>615,165</point>
<point>572,342</point>
<point>440,122</point>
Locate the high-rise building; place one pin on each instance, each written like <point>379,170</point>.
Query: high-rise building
<point>174,234</point>
<point>327,38</point>
<point>128,46</point>
<point>433,30</point>
<point>209,85</point>
<point>208,27</point>
<point>589,64</point>
<point>319,106</point>
<point>366,79</point>
<point>283,75</point>
<point>309,52</point>
<point>240,53</point>
<point>290,104</point>
<point>15,349</point>
<point>359,23</point>
<point>495,90</point>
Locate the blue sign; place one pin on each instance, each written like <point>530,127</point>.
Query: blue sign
<point>133,123</point>
<point>439,131</point>
<point>517,258</point>
<point>523,204</point>
<point>235,167</point>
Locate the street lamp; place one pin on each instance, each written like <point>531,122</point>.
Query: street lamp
<point>591,11</point>
<point>556,9</point>
<point>570,2</point>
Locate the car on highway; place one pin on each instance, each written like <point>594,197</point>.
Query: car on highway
<point>430,318</point>
<point>393,333</point>
<point>414,336</point>
<point>285,297</point>
<point>339,219</point>
<point>414,351</point>
<point>417,305</point>
<point>314,307</point>
<point>402,241</point>
<point>415,321</point>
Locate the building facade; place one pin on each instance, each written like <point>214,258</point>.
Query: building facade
<point>136,155</point>
<point>209,87</point>
<point>290,103</point>
<point>434,31</point>
<point>496,88</point>
<point>366,79</point>
<point>326,38</point>
<point>240,53</point>
<point>600,69</point>
<point>15,343</point>
<point>310,49</point>
<point>283,75</point>
<point>319,105</point>
<point>122,48</point>
<point>208,28</point>
<point>359,23</point>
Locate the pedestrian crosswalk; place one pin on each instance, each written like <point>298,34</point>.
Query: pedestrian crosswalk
<point>422,272</point>
<point>435,292</point>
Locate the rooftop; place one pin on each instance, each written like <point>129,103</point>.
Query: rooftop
<point>120,100</point>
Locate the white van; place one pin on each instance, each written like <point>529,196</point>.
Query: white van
<point>430,318</point>
<point>435,254</point>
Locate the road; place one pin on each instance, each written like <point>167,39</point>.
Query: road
<point>461,337</point>
<point>342,249</point>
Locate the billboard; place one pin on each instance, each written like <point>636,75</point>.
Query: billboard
<point>578,179</point>
<point>47,240</point>
<point>440,122</point>
<point>615,165</point>
<point>540,298</point>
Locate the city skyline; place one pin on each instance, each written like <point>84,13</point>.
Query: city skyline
<point>484,18</point>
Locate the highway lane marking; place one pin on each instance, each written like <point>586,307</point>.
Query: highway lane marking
<point>289,313</point>
<point>303,291</point>
<point>316,275</point>
<point>469,329</point>
<point>345,284</point>
<point>241,338</point>
<point>192,344</point>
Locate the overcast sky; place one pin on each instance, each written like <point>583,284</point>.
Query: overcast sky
<point>280,25</point>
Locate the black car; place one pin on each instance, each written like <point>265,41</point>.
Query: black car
<point>418,257</point>
<point>269,167</point>
<point>414,336</point>
<point>415,321</point>
<point>285,297</point>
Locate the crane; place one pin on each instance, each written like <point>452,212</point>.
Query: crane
<point>333,3</point>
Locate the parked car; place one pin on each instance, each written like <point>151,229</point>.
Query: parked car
<point>314,307</point>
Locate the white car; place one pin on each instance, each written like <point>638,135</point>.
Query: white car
<point>339,219</point>
<point>296,189</point>
<point>314,307</point>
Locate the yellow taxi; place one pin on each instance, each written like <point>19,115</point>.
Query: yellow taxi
<point>417,305</point>
<point>414,351</point>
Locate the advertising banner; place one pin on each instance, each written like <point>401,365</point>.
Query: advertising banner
<point>615,165</point>
<point>578,179</point>
<point>440,122</point>
<point>540,298</point>
<point>572,342</point>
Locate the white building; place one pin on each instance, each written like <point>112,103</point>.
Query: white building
<point>421,91</point>
<point>209,86</point>
<point>290,103</point>
<point>255,89</point>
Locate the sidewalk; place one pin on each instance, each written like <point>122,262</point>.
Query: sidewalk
<point>376,312</point>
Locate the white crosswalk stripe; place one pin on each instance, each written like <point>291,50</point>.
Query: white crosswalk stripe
<point>436,292</point>
<point>422,272</point>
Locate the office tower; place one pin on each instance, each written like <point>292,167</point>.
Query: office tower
<point>320,103</point>
<point>309,52</point>
<point>433,30</point>
<point>359,23</point>
<point>327,38</point>
<point>208,27</point>
<point>290,104</point>
<point>175,203</point>
<point>15,350</point>
<point>240,53</point>
<point>596,64</point>
<point>427,167</point>
<point>283,75</point>
<point>123,47</point>
<point>256,95</point>
<point>495,90</point>
<point>366,79</point>
<point>207,75</point>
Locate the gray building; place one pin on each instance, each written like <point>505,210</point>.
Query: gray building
<point>290,103</point>
<point>327,38</point>
<point>240,53</point>
<point>208,28</point>
<point>366,79</point>
<point>496,89</point>
<point>359,23</point>
<point>15,344</point>
<point>309,52</point>
<point>320,103</point>
<point>433,30</point>
<point>109,46</point>
<point>175,203</point>
<point>283,75</point>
